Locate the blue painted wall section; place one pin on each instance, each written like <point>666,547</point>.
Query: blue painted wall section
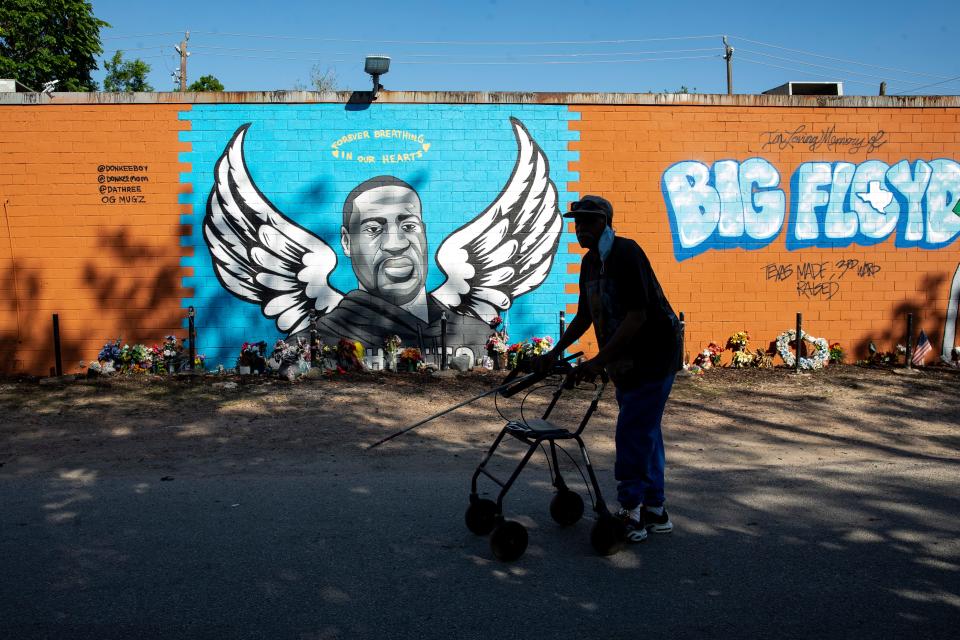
<point>307,158</point>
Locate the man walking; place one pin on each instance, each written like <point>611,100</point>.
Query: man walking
<point>638,335</point>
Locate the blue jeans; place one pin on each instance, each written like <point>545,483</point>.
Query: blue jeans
<point>640,456</point>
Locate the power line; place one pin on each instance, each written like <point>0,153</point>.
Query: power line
<point>453,42</point>
<point>447,55</point>
<point>128,49</point>
<point>809,73</point>
<point>141,35</point>
<point>565,62</point>
<point>821,66</point>
<point>927,86</point>
<point>817,55</point>
<point>466,62</point>
<point>244,57</point>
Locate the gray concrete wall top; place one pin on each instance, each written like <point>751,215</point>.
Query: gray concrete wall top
<point>360,98</point>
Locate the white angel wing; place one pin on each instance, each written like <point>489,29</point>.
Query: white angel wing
<point>508,249</point>
<point>261,256</point>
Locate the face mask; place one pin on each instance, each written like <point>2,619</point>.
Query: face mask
<point>606,243</point>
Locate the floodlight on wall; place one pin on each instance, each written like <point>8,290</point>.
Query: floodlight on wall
<point>376,66</point>
<point>49,86</point>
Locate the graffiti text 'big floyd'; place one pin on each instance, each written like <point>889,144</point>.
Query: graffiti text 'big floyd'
<point>834,204</point>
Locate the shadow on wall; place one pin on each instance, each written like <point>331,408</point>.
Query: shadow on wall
<point>30,327</point>
<point>136,287</point>
<point>929,315</point>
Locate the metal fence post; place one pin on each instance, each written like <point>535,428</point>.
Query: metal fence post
<point>683,342</point>
<point>799,341</point>
<point>192,336</point>
<point>56,345</point>
<point>909,341</point>
<point>443,341</point>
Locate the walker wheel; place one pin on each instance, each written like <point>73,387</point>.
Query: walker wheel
<point>509,541</point>
<point>608,535</point>
<point>481,516</point>
<point>566,507</point>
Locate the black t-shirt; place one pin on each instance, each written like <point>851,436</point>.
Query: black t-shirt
<point>626,282</point>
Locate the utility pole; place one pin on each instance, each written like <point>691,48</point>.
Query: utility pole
<point>182,50</point>
<point>728,56</point>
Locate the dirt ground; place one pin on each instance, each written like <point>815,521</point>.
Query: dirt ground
<point>212,507</point>
<point>214,425</point>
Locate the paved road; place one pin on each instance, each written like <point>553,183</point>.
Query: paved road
<point>346,548</point>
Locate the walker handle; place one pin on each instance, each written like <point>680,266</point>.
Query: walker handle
<point>562,366</point>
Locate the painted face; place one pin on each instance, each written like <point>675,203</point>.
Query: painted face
<point>588,229</point>
<point>386,241</point>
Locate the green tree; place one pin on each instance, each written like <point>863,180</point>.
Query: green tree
<point>124,75</point>
<point>43,40</point>
<point>206,83</point>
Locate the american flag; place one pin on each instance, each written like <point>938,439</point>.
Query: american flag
<point>923,348</point>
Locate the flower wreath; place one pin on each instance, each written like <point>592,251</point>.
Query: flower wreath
<point>821,350</point>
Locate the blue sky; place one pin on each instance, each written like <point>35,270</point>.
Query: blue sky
<point>555,45</point>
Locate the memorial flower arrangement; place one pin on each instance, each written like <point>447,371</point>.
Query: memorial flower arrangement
<point>290,353</point>
<point>742,359</point>
<point>515,353</point>
<point>738,341</point>
<point>139,358</point>
<point>350,355</point>
<point>497,343</point>
<point>391,344</point>
<point>709,357</point>
<point>836,353</point>
<point>110,352</point>
<point>166,357</point>
<point>252,356</point>
<point>410,358</point>
<point>540,346</point>
<point>762,359</point>
<point>250,352</point>
<point>821,350</point>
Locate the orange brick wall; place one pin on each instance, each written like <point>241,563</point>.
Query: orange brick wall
<point>112,269</point>
<point>108,270</point>
<point>624,151</point>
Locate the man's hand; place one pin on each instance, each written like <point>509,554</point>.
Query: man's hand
<point>587,371</point>
<point>544,363</point>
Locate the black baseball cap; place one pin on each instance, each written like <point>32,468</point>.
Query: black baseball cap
<point>591,205</point>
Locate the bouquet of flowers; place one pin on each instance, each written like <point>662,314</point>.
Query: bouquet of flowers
<point>516,352</point>
<point>168,355</point>
<point>391,343</point>
<point>540,346</point>
<point>762,359</point>
<point>836,353</point>
<point>288,353</point>
<point>742,359</point>
<point>110,352</point>
<point>350,355</point>
<point>129,359</point>
<point>709,357</point>
<point>738,341</point>
<point>251,355</point>
<point>497,342</point>
<point>411,358</point>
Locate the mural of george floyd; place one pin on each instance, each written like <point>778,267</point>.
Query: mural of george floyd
<point>268,211</point>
